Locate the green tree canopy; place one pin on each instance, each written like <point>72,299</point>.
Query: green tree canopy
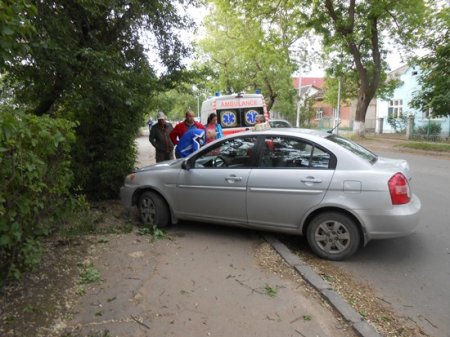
<point>86,62</point>
<point>15,29</point>
<point>435,69</point>
<point>354,36</point>
<point>249,52</point>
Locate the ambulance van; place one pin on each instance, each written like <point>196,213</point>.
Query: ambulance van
<point>235,113</point>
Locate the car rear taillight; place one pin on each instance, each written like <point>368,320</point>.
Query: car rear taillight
<point>399,189</point>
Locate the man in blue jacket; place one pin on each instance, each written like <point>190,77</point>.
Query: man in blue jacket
<point>190,142</point>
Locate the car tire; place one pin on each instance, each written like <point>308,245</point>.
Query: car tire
<point>333,236</point>
<point>153,210</point>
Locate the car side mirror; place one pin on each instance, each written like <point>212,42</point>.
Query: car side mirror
<point>186,165</point>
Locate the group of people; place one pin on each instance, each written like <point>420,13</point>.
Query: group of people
<point>187,136</point>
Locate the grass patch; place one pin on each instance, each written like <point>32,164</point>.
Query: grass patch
<point>438,147</point>
<point>270,291</point>
<point>154,232</point>
<point>88,273</point>
<point>107,217</point>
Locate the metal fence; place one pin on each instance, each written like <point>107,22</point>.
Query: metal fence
<point>435,130</point>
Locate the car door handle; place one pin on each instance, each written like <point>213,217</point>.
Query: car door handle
<point>233,178</point>
<point>311,180</point>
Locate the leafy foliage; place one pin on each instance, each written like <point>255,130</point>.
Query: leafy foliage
<point>432,129</point>
<point>35,166</point>
<point>307,111</point>
<point>435,69</point>
<point>354,35</point>
<point>86,62</point>
<point>88,273</point>
<point>398,123</point>
<point>248,54</point>
<point>248,43</point>
<point>175,102</point>
<point>14,29</point>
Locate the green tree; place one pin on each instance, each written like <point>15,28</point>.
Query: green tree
<point>249,53</point>
<point>435,69</point>
<point>86,62</point>
<point>15,29</point>
<point>358,30</point>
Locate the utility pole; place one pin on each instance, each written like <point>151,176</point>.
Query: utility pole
<point>198,106</point>
<point>299,103</point>
<point>338,108</point>
<point>295,52</point>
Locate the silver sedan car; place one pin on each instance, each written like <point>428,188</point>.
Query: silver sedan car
<point>328,188</point>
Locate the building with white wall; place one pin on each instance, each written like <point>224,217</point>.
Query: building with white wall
<point>398,105</point>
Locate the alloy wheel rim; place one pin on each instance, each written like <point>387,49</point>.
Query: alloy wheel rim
<point>148,211</point>
<point>332,237</point>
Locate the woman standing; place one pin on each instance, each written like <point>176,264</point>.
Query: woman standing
<point>213,129</point>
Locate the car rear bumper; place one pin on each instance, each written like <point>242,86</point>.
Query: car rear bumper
<point>400,220</point>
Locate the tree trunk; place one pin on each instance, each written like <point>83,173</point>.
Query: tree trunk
<point>365,95</point>
<point>46,104</point>
<point>359,128</point>
<point>270,103</point>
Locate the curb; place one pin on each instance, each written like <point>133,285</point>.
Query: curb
<point>361,327</point>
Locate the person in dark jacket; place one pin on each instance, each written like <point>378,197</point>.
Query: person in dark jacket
<point>181,128</point>
<point>160,138</point>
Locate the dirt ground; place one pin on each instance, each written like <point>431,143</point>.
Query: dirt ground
<point>198,283</point>
<point>193,281</point>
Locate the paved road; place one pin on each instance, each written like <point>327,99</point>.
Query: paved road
<point>413,273</point>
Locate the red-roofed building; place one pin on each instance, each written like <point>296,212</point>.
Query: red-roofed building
<point>314,87</point>
<point>315,81</point>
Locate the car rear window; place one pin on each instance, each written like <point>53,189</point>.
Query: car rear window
<point>355,148</point>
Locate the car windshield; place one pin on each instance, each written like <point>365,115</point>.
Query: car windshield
<point>355,148</point>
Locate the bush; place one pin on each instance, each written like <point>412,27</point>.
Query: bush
<point>398,124</point>
<point>36,175</point>
<point>432,129</point>
<point>105,150</point>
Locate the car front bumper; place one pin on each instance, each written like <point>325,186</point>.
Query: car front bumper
<point>126,195</point>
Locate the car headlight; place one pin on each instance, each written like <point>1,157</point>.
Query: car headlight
<point>130,178</point>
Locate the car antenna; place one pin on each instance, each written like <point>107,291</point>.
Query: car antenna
<point>331,131</point>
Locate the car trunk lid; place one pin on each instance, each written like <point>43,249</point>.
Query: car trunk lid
<point>400,165</point>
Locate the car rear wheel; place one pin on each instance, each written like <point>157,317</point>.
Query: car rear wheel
<point>153,210</point>
<point>333,236</point>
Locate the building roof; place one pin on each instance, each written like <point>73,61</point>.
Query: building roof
<point>396,73</point>
<point>317,82</point>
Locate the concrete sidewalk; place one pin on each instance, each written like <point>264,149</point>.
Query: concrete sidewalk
<point>204,281</point>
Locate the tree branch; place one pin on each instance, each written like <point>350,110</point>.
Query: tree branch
<point>269,88</point>
<point>397,24</point>
<point>346,33</point>
<point>376,55</point>
<point>351,15</point>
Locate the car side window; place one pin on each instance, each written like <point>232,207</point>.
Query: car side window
<point>230,153</point>
<point>286,152</point>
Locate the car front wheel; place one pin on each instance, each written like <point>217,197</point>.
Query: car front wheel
<point>333,236</point>
<point>153,211</point>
